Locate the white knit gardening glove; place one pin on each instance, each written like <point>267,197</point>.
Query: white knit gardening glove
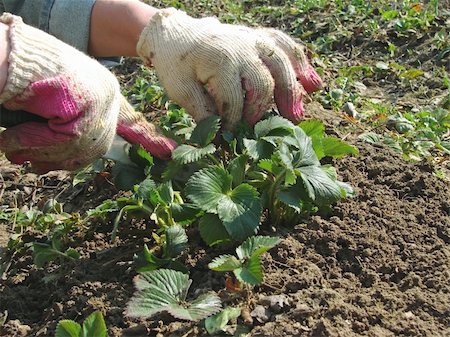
<point>234,71</point>
<point>78,100</point>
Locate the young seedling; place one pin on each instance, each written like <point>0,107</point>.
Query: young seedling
<point>287,171</point>
<point>44,253</point>
<point>218,322</point>
<point>174,242</point>
<point>247,265</point>
<point>93,326</point>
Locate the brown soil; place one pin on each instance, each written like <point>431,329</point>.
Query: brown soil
<point>378,266</point>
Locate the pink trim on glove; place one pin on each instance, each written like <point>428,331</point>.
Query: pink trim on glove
<point>310,79</point>
<point>159,146</point>
<point>55,100</point>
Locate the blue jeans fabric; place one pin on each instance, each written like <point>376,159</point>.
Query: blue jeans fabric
<point>68,20</point>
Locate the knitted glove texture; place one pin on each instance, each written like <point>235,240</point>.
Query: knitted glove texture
<point>79,98</point>
<point>231,70</point>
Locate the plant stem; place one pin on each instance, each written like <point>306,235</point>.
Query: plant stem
<point>272,196</point>
<point>215,160</point>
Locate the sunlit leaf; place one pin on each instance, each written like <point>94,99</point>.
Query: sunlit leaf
<point>267,126</point>
<point>166,290</point>
<point>312,127</point>
<point>218,322</point>
<point>240,211</point>
<point>251,272</point>
<point>321,188</point>
<point>256,245</point>
<point>203,306</point>
<point>186,154</point>
<point>225,263</point>
<point>68,328</point>
<point>94,325</point>
<point>334,147</point>
<point>208,186</point>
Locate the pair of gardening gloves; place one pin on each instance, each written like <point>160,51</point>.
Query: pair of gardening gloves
<point>206,67</point>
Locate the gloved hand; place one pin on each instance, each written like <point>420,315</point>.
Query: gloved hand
<point>137,130</point>
<point>78,99</point>
<point>234,71</point>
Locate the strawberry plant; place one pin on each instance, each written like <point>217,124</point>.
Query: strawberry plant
<point>232,180</point>
<point>247,265</point>
<point>44,252</point>
<point>173,242</point>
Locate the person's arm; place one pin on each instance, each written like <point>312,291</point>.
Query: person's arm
<point>116,26</point>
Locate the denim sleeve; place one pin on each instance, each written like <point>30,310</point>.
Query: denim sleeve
<point>68,20</point>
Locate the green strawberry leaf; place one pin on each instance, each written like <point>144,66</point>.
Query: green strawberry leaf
<point>313,127</point>
<point>225,263</point>
<point>321,188</point>
<point>212,230</point>
<point>208,186</point>
<point>176,241</point>
<point>185,154</point>
<point>251,272</point>
<point>166,290</point>
<point>94,325</point>
<point>267,126</point>
<point>336,148</point>
<point>256,245</point>
<point>205,131</point>
<point>68,328</point>
<point>240,211</point>
<point>218,322</point>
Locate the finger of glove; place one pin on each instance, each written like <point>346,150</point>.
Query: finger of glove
<point>190,94</point>
<point>36,143</point>
<point>306,74</point>
<point>146,134</point>
<point>226,90</point>
<point>31,135</point>
<point>133,126</point>
<point>288,91</point>
<point>259,86</point>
